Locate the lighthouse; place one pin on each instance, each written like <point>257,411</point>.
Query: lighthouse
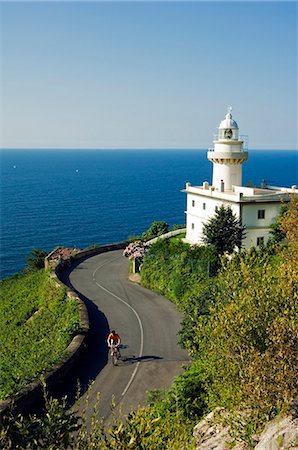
<point>256,206</point>
<point>228,155</point>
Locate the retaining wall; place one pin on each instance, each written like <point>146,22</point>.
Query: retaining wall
<point>84,254</point>
<point>167,235</point>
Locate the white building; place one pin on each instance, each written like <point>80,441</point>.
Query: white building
<point>256,207</point>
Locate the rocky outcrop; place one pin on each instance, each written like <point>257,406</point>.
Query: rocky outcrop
<point>281,433</point>
<point>210,434</point>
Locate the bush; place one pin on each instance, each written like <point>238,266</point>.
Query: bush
<point>35,259</point>
<point>186,396</point>
<point>178,226</point>
<point>249,341</point>
<point>172,268</point>
<point>156,229</point>
<point>54,430</point>
<point>240,325</point>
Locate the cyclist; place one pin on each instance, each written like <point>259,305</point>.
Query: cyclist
<point>114,340</point>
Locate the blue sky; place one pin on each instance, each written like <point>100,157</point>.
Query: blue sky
<point>147,74</point>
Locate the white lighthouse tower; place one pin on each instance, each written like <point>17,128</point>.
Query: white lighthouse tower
<point>228,155</point>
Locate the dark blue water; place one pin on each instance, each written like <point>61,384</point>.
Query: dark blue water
<point>79,198</point>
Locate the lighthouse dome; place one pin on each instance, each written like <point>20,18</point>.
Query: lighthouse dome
<point>228,122</point>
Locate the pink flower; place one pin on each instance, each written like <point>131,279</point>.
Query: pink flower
<point>135,250</point>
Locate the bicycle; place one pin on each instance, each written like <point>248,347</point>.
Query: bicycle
<point>115,354</point>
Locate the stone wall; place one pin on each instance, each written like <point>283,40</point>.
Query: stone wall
<point>167,235</point>
<point>87,253</point>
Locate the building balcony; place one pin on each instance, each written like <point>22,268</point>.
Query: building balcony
<point>241,138</point>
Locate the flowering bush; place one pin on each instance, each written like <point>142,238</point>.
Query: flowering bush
<point>136,250</point>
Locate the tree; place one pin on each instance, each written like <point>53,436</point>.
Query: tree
<point>224,231</point>
<point>156,229</point>
<point>35,259</point>
<point>277,234</point>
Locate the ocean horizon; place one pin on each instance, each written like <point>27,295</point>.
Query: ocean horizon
<point>81,197</point>
<point>99,149</point>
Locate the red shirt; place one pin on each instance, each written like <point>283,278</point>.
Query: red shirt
<point>113,339</point>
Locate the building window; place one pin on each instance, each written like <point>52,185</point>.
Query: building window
<point>192,226</point>
<point>261,213</point>
<point>204,205</point>
<point>192,203</point>
<point>260,241</point>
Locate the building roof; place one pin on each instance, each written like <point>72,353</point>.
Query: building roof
<point>241,194</point>
<point>228,122</point>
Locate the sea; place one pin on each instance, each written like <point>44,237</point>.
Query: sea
<point>78,198</point>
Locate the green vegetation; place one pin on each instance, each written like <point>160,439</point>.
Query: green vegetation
<point>137,249</point>
<point>144,429</point>
<point>35,259</point>
<point>247,343</point>
<point>224,231</point>
<point>240,326</point>
<point>277,235</point>
<point>37,321</point>
<point>175,269</point>
<point>178,237</point>
<point>156,229</point>
<point>178,226</point>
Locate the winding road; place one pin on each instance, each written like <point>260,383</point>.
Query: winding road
<point>147,323</point>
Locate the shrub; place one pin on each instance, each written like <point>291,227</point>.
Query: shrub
<point>172,268</point>
<point>36,258</point>
<point>156,229</point>
<point>54,430</point>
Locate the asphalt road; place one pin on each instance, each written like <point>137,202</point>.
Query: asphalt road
<point>147,323</point>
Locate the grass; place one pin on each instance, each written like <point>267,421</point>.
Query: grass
<point>178,237</point>
<point>38,321</point>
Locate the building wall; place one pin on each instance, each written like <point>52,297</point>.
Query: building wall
<point>199,210</point>
<point>258,227</point>
<point>230,174</point>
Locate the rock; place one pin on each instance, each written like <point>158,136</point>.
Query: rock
<point>279,434</point>
<point>210,435</point>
